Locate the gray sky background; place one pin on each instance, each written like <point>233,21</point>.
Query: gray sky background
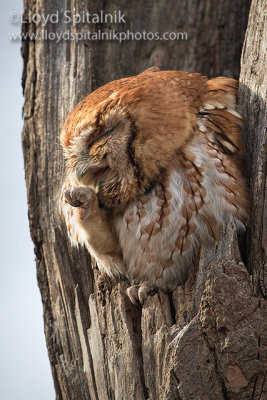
<point>24,368</point>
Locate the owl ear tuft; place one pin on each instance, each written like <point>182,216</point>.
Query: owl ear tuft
<point>154,69</point>
<point>150,70</point>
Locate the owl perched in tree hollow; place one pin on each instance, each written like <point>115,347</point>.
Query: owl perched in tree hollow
<point>153,170</point>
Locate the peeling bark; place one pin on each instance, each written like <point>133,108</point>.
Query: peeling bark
<point>207,339</point>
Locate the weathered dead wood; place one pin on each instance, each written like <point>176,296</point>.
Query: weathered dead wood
<point>206,340</point>
<point>253,89</point>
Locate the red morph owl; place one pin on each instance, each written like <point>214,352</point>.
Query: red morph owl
<point>153,170</point>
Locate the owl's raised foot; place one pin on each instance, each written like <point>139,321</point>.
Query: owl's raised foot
<point>138,293</point>
<point>82,197</point>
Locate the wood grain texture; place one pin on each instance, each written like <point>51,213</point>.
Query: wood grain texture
<point>253,89</point>
<point>207,340</point>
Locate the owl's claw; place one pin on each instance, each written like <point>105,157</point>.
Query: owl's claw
<point>79,196</point>
<point>132,293</point>
<point>138,294</point>
<point>69,198</point>
<point>83,198</point>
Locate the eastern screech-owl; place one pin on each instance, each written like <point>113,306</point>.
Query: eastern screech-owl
<point>153,169</point>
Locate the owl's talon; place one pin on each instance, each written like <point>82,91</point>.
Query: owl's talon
<point>138,294</point>
<point>143,292</point>
<point>132,293</point>
<point>70,200</point>
<point>79,196</point>
<point>84,199</point>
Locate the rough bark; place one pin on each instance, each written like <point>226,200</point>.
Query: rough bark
<point>206,340</point>
<point>253,89</point>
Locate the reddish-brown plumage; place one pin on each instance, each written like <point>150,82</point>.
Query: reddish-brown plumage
<point>161,152</point>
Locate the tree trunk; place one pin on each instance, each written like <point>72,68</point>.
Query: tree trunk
<point>208,339</point>
<point>253,88</point>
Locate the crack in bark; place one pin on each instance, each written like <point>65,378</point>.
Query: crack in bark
<point>139,339</point>
<point>213,352</point>
<point>262,387</point>
<point>177,383</point>
<point>172,308</point>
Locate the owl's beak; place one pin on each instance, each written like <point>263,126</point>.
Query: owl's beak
<point>94,174</point>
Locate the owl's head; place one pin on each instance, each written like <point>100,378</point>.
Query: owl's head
<point>121,137</point>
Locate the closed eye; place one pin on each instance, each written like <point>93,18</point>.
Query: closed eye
<point>101,137</point>
<point>101,145</point>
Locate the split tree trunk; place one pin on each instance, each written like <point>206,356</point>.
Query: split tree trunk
<point>206,340</point>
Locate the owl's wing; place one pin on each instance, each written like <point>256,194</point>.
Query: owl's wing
<point>219,118</point>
